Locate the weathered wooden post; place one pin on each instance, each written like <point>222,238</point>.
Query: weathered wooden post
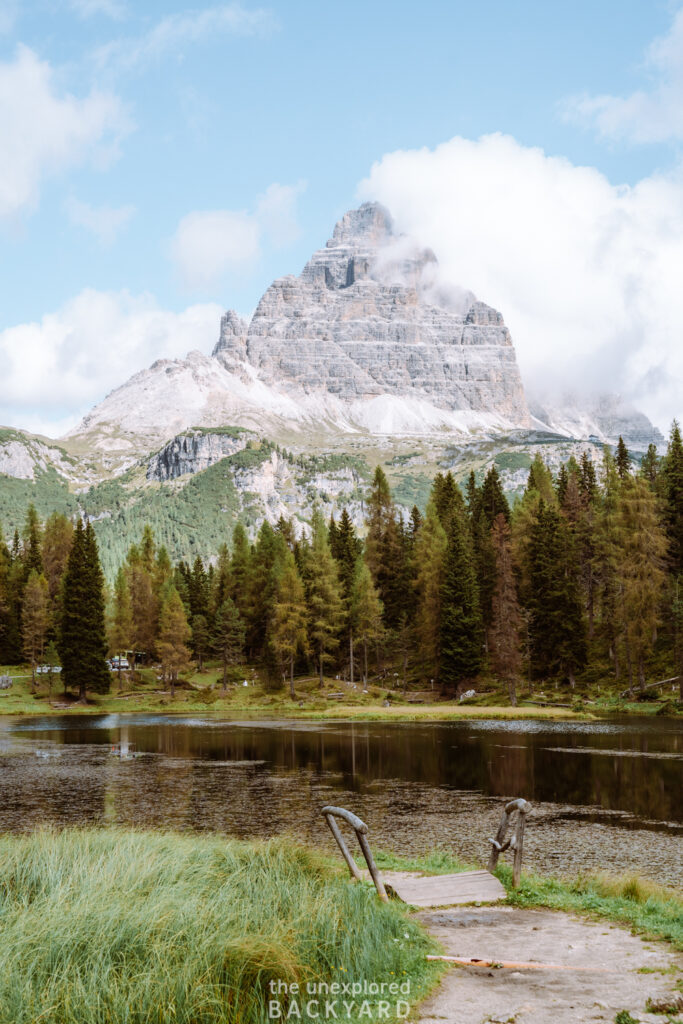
<point>516,842</point>
<point>361,830</point>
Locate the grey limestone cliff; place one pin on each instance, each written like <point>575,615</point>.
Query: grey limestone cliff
<point>366,317</point>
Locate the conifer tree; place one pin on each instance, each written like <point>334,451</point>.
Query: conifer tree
<point>556,628</point>
<point>649,466</point>
<point>461,625</point>
<point>366,611</point>
<point>174,634</point>
<point>288,629</point>
<point>429,557</point>
<point>672,472</point>
<point>121,619</point>
<point>240,565</point>
<point>324,600</point>
<point>493,501</point>
<point>640,571</point>
<point>200,638</point>
<point>57,538</point>
<point>229,636</point>
<point>34,620</point>
<point>472,495</point>
<point>82,641</point>
<point>623,459</point>
<point>447,498</point>
<point>506,621</point>
<point>32,553</point>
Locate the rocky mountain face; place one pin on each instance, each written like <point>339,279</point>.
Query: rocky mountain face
<point>602,418</point>
<point>362,341</point>
<point>195,451</point>
<point>365,318</point>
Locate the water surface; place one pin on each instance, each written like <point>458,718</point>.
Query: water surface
<point>605,794</point>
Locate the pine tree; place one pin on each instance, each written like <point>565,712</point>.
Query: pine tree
<point>32,553</point>
<point>82,641</point>
<point>366,611</point>
<point>174,634</point>
<point>121,619</point>
<point>229,636</point>
<point>461,625</point>
<point>447,498</point>
<point>288,629</point>
<point>472,495</point>
<point>240,566</point>
<point>323,594</point>
<point>34,620</point>
<point>506,624</point>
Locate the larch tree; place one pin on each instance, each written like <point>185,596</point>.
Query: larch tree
<point>324,600</point>
<point>428,559</point>
<point>366,611</point>
<point>120,629</point>
<point>623,459</point>
<point>174,634</point>
<point>288,633</point>
<point>35,620</point>
<point>506,624</point>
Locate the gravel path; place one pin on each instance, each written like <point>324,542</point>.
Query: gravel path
<point>633,969</point>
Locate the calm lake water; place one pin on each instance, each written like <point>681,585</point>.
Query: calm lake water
<point>605,794</point>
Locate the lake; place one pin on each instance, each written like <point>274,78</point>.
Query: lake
<point>606,794</point>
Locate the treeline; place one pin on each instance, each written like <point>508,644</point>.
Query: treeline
<point>578,582</point>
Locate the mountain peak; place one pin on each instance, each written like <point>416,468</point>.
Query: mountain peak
<point>370,225</point>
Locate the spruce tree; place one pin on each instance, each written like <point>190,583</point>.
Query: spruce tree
<point>461,625</point>
<point>493,501</point>
<point>82,641</point>
<point>672,472</point>
<point>623,459</point>
<point>229,636</point>
<point>649,466</point>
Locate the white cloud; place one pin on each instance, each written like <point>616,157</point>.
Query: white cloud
<point>105,222</point>
<point>44,133</point>
<point>210,245</point>
<point>90,8</point>
<point>586,274</point>
<point>174,32</point>
<point>55,369</point>
<point>654,114</point>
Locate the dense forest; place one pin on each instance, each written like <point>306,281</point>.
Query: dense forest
<point>578,584</point>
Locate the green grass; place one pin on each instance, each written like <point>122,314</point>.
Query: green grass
<point>118,925</point>
<point>646,908</point>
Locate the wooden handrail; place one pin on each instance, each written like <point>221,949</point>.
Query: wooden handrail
<point>361,830</point>
<point>516,840</point>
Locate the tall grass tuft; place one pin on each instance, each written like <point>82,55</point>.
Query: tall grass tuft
<point>123,926</point>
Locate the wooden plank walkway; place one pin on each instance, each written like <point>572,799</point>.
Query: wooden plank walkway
<point>444,890</point>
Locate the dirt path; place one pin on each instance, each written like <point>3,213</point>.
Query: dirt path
<point>481,995</point>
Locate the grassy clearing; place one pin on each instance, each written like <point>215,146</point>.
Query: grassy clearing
<point>118,925</point>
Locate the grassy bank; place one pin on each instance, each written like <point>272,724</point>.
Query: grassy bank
<point>117,925</point>
<point>645,907</point>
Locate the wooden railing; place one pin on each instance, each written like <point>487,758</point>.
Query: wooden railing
<point>516,840</point>
<point>361,830</point>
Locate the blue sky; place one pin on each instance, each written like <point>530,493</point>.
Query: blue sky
<point>162,162</point>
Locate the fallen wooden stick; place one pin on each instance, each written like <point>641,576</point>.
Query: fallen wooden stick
<point>473,961</point>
